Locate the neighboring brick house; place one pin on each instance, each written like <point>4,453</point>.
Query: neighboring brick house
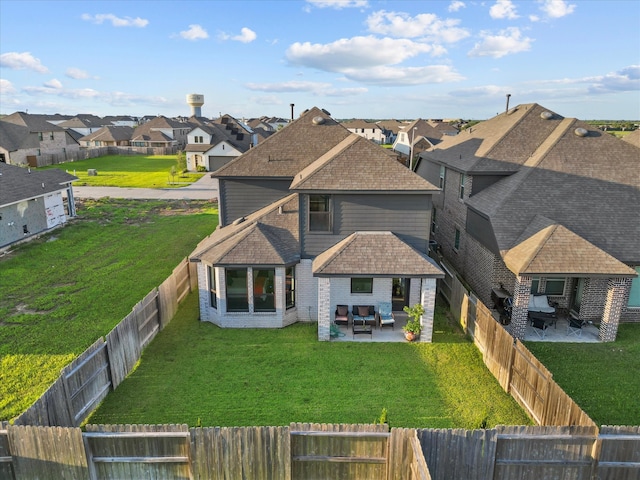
<point>17,143</point>
<point>108,136</point>
<point>314,217</point>
<point>161,132</point>
<point>32,202</point>
<point>541,204</point>
<point>52,139</point>
<point>84,124</point>
<point>368,130</point>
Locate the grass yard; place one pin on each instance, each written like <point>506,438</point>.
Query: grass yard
<point>603,378</point>
<point>63,291</point>
<point>196,373</point>
<point>136,171</point>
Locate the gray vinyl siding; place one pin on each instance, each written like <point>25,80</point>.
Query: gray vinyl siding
<point>480,228</point>
<point>408,216</point>
<point>242,197</point>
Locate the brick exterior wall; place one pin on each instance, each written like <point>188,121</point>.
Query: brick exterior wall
<point>479,269</point>
<point>306,292</point>
<point>617,291</point>
<point>452,215</point>
<point>519,314</point>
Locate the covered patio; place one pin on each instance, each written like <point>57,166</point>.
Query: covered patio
<point>359,271</point>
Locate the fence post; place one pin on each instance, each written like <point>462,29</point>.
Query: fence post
<point>511,362</point>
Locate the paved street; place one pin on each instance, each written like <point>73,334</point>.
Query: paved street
<point>204,189</point>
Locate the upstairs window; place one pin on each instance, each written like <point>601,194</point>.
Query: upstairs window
<point>456,240</point>
<point>462,180</point>
<point>443,171</point>
<point>40,137</point>
<point>319,213</point>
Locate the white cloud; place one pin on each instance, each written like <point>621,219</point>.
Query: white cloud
<point>246,35</point>
<point>115,21</point>
<point>53,83</point>
<point>195,32</point>
<point>480,91</point>
<point>557,8</point>
<point>293,86</point>
<point>116,99</point>
<point>507,42</point>
<point>399,24</point>
<point>456,5</point>
<point>339,4</point>
<point>534,18</point>
<point>6,87</point>
<point>356,52</point>
<point>624,80</point>
<point>503,9</point>
<point>400,76</point>
<point>76,73</point>
<point>22,61</point>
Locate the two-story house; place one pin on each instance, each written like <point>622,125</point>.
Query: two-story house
<point>215,143</point>
<point>108,136</point>
<point>415,138</point>
<point>161,132</point>
<point>368,130</point>
<point>314,217</point>
<point>541,204</point>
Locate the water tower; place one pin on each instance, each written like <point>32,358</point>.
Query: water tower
<point>195,100</point>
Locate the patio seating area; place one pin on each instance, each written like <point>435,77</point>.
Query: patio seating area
<point>378,334</point>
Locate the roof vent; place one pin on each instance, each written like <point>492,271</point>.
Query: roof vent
<point>318,120</point>
<point>546,115</point>
<point>326,112</point>
<point>238,221</point>
<point>581,132</point>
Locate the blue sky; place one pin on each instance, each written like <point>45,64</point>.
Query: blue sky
<point>355,58</point>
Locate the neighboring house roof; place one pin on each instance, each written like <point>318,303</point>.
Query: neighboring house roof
<point>566,170</point>
<point>443,127</point>
<point>548,248</point>
<point>290,150</point>
<point>17,137</point>
<point>84,121</point>
<point>147,129</point>
<point>377,254</point>
<point>391,125</point>
<point>269,236</point>
<point>358,123</point>
<point>35,123</point>
<point>109,133</point>
<point>422,130</point>
<point>341,169</point>
<point>633,138</point>
<point>18,184</point>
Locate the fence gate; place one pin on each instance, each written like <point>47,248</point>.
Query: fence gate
<point>359,453</point>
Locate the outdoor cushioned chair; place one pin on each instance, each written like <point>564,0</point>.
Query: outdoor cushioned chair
<point>540,304</point>
<point>366,314</point>
<point>342,315</point>
<point>385,315</point>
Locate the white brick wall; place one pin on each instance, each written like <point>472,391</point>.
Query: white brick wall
<point>307,292</point>
<point>428,300</point>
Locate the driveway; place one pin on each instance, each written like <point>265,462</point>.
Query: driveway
<point>204,189</point>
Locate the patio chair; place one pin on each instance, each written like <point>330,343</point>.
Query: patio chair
<point>342,315</point>
<point>540,303</point>
<point>539,326</point>
<point>385,315</point>
<point>574,327</point>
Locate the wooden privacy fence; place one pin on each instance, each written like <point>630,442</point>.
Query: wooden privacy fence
<point>517,370</point>
<point>270,453</point>
<point>46,159</point>
<point>104,365</point>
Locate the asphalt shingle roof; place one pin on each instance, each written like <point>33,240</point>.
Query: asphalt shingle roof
<point>17,137</point>
<point>18,183</point>
<point>269,236</point>
<point>375,254</point>
<point>290,150</point>
<point>359,165</point>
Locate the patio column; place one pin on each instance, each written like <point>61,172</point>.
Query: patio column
<point>520,309</point>
<point>615,301</point>
<point>428,301</point>
<point>324,309</point>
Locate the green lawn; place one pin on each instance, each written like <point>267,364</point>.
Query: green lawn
<point>128,171</point>
<point>603,378</point>
<point>196,373</point>
<point>63,291</point>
